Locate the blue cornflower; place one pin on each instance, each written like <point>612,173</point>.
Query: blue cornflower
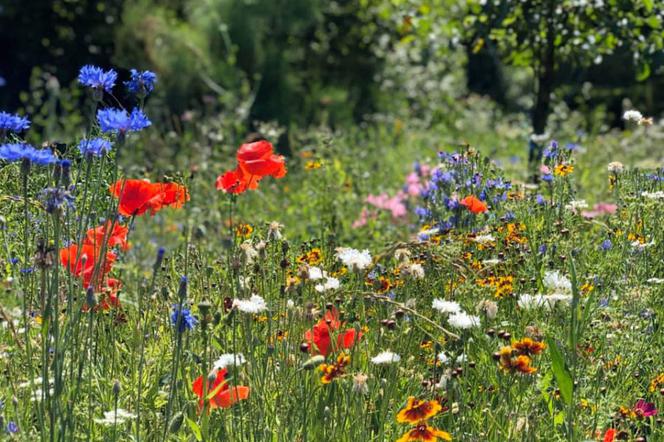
<point>184,322</point>
<point>96,78</point>
<point>94,147</point>
<point>12,427</point>
<point>422,212</point>
<point>547,177</point>
<point>540,199</point>
<point>606,245</point>
<point>552,150</point>
<point>542,249</point>
<point>18,152</point>
<point>119,121</point>
<point>3,82</point>
<point>55,198</point>
<point>141,83</point>
<point>12,122</point>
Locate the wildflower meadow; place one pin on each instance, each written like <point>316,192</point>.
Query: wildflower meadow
<point>192,279</point>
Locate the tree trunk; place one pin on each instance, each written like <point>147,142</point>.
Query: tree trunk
<point>545,82</point>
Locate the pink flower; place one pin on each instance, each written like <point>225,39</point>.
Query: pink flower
<point>644,409</point>
<point>394,204</point>
<point>600,209</point>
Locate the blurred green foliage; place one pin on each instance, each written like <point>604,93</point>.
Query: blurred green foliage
<point>307,63</point>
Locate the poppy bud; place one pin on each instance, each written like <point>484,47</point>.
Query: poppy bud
<point>304,347</point>
<point>490,332</point>
<point>313,362</point>
<point>284,264</point>
<point>507,336</point>
<point>90,297</point>
<point>116,387</point>
<point>391,324</point>
<point>399,314</point>
<point>176,422</point>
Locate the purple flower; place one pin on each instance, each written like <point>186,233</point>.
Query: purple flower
<point>606,245</point>
<point>540,199</point>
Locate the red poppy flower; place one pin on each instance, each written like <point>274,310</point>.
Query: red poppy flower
<point>254,162</point>
<point>117,237</point>
<point>474,204</point>
<point>320,335</point>
<point>174,194</point>
<point>88,259</point>
<point>138,196</point>
<point>109,296</point>
<point>258,158</point>
<point>223,395</point>
<point>237,181</point>
<point>610,435</point>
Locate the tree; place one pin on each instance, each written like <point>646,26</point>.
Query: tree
<point>547,34</point>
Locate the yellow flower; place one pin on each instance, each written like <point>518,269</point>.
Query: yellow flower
<point>312,165</point>
<point>563,169</point>
<point>244,230</point>
<point>312,257</point>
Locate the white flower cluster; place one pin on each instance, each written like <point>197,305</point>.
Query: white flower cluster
<point>615,167</point>
<point>115,417</point>
<point>255,304</point>
<point>354,259</point>
<point>386,357</point>
<point>458,318</point>
<point>653,195</point>
<point>229,359</point>
<point>327,282</point>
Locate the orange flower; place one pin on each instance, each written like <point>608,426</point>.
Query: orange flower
<point>138,196</point>
<point>219,393</point>
<point>117,237</point>
<point>520,363</point>
<point>417,411</point>
<point>527,346</point>
<point>474,204</point>
<point>254,162</point>
<point>425,433</point>
<point>84,266</point>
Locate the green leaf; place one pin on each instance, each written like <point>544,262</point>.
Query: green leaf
<point>648,4</point>
<point>195,429</point>
<point>644,72</point>
<point>560,371</point>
